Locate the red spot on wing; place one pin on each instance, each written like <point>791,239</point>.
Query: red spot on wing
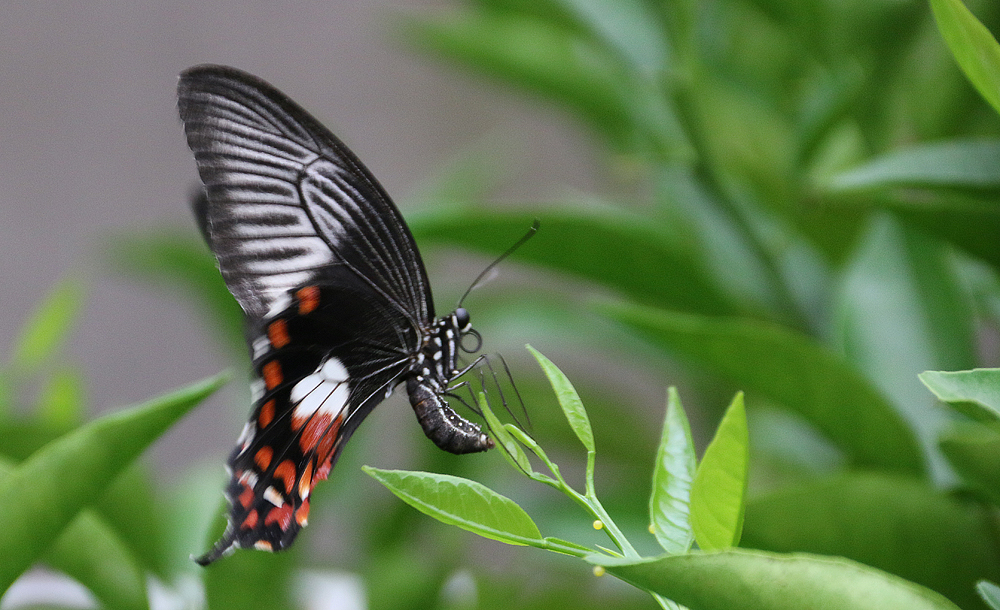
<point>282,515</point>
<point>251,521</point>
<point>305,483</point>
<point>263,457</point>
<point>246,496</point>
<point>272,374</point>
<point>266,414</point>
<point>308,299</point>
<point>285,471</point>
<point>277,333</point>
<point>320,434</point>
<point>302,514</point>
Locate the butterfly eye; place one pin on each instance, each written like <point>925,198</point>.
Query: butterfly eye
<point>462,319</point>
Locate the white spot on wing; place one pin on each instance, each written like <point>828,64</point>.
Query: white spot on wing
<point>328,398</point>
<point>256,390</point>
<point>334,370</point>
<point>261,345</point>
<point>304,387</point>
<point>271,495</point>
<point>279,305</point>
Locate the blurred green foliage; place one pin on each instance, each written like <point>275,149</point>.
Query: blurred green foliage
<point>812,218</point>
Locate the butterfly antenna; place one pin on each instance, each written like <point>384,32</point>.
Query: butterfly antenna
<point>531,232</point>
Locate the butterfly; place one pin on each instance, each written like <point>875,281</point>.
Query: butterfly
<point>337,304</point>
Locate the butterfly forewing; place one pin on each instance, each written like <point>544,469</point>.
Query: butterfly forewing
<point>287,198</point>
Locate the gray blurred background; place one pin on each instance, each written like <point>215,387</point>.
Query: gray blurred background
<point>92,146</point>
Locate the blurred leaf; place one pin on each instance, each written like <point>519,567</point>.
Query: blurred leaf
<point>72,472</point>
<point>462,503</point>
<point>62,403</point>
<point>91,552</point>
<point>973,450</point>
<point>628,28</point>
<point>902,310</point>
<point>252,579</point>
<point>718,492</point>
<point>180,260</point>
<point>136,513</point>
<point>900,525</point>
<point>790,369</point>
<point>966,164</point>
<point>990,593</point>
<point>614,248</point>
<point>975,393</point>
<point>569,400</point>
<point>48,325</point>
<point>673,472</point>
<point>756,580</point>
<point>973,46</point>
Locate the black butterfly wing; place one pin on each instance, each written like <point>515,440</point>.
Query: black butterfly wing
<point>286,198</point>
<point>333,287</point>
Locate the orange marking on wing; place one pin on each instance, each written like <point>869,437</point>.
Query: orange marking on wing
<point>246,497</point>
<point>263,457</point>
<point>277,333</point>
<point>272,374</point>
<point>308,299</point>
<point>324,470</point>
<point>266,414</point>
<point>282,515</point>
<point>251,521</point>
<point>286,472</point>
<point>305,482</point>
<point>302,514</point>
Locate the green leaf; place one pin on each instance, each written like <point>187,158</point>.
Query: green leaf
<point>901,310</point>
<point>509,448</point>
<point>44,493</point>
<point>894,523</point>
<point>91,552</point>
<point>461,502</point>
<point>756,580</point>
<point>569,400</point>
<point>990,593</point>
<point>791,369</point>
<point>62,403</point>
<point>718,492</point>
<point>670,502</point>
<point>975,393</point>
<point>592,244</point>
<point>970,164</point>
<point>973,450</point>
<point>973,46</point>
<point>49,325</point>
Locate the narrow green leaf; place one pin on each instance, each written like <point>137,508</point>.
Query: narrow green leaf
<point>593,244</point>
<point>91,552</point>
<point>673,473</point>
<point>569,400</point>
<point>509,448</point>
<point>792,370</point>
<point>756,580</point>
<point>973,46</point>
<point>43,493</point>
<point>975,393</point>
<point>62,403</point>
<point>901,310</point>
<point>899,524</point>
<point>718,492</point>
<point>49,325</point>
<point>462,503</point>
<point>990,593</point>
<point>973,450</point>
<point>969,164</point>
